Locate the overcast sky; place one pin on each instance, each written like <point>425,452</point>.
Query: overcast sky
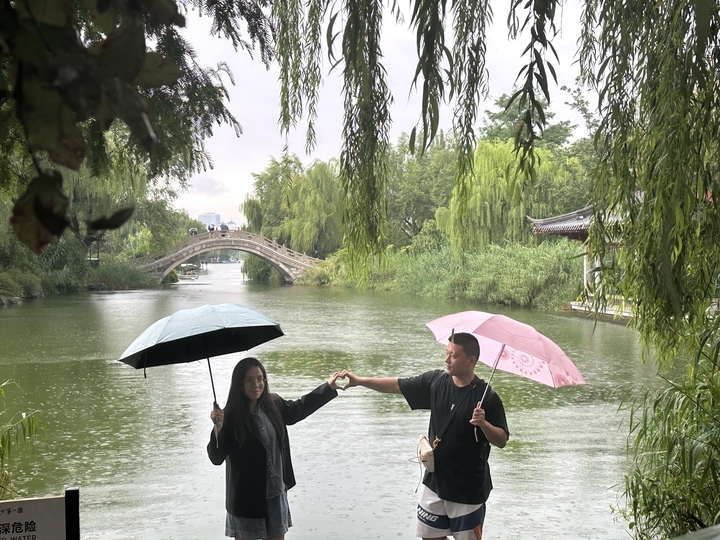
<point>254,100</point>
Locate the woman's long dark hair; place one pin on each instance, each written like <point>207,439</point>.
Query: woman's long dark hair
<point>237,411</point>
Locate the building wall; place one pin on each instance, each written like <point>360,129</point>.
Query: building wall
<point>208,219</point>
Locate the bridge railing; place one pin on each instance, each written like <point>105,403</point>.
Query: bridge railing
<point>257,239</point>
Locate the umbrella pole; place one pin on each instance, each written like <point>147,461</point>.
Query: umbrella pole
<point>492,373</point>
<point>212,383</point>
<point>215,405</point>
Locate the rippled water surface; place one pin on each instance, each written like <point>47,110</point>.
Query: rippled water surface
<point>135,446</point>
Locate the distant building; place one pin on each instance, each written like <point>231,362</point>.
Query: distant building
<point>210,219</point>
<point>232,226</point>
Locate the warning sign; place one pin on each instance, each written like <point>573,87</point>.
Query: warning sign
<point>46,518</point>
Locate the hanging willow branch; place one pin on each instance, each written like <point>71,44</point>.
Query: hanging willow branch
<point>656,67</point>
<point>363,157</point>
<point>443,73</point>
<point>469,83</point>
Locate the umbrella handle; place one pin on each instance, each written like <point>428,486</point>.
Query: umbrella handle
<point>217,433</point>
<point>492,373</point>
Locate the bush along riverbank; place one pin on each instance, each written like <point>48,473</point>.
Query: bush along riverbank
<point>548,276</point>
<point>16,286</point>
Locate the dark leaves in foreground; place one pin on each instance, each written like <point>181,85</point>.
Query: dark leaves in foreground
<point>113,222</point>
<point>39,216</point>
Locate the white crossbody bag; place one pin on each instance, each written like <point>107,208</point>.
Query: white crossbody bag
<point>426,449</point>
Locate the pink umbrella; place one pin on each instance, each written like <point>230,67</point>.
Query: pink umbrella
<point>511,346</point>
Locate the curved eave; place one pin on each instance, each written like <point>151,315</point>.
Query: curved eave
<point>573,225</point>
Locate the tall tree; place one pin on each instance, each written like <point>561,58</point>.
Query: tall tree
<point>493,216</point>
<point>504,122</point>
<point>313,224</point>
<point>657,188</point>
<point>298,207</point>
<point>419,183</point>
<point>269,205</point>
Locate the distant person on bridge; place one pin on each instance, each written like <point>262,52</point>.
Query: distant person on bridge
<point>253,442</point>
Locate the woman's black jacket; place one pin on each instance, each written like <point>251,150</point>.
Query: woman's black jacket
<point>246,466</point>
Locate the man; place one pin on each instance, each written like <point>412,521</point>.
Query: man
<point>452,498</point>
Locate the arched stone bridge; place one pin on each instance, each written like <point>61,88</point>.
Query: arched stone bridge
<point>291,264</point>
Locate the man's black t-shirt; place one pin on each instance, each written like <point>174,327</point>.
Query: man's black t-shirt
<point>461,472</point>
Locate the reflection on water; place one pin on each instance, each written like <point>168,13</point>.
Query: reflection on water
<point>136,446</point>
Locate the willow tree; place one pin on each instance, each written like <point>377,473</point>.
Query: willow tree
<point>449,66</point>
<point>658,182</point>
<point>489,215</point>
<point>269,205</point>
<point>657,194</point>
<point>313,223</point>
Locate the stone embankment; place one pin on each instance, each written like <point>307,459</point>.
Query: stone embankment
<point>7,301</point>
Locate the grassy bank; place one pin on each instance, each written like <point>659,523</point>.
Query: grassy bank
<point>547,277</point>
<point>16,285</point>
<point>119,275</point>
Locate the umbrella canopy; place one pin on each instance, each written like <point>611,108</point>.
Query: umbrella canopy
<point>512,346</point>
<point>203,332</point>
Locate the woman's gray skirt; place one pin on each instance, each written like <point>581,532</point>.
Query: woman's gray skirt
<point>277,523</point>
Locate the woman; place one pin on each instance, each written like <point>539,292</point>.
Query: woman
<point>251,437</point>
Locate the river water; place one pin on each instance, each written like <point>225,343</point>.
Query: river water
<point>135,446</point>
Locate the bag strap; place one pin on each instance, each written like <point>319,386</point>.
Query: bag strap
<point>438,435</point>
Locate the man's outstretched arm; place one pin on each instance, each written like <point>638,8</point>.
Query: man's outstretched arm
<point>386,385</point>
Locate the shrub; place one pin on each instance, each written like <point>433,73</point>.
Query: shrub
<point>331,271</point>
<point>119,275</point>
<point>257,269</point>
<point>548,276</point>
<point>171,277</point>
<point>30,283</point>
<point>64,265</point>
<point>8,286</point>
<point>672,487</point>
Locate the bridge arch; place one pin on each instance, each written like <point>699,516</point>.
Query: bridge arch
<point>290,264</point>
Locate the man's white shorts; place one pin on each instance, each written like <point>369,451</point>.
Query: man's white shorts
<point>437,518</point>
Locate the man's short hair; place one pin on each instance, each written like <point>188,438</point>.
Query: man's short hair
<point>469,344</point>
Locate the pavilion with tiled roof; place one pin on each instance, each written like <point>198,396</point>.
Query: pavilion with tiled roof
<point>574,225</point>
